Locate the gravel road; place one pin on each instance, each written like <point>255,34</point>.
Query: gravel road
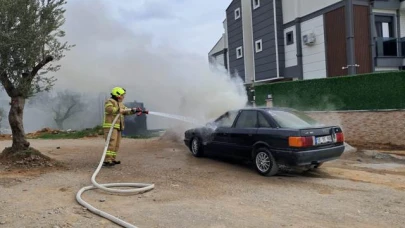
<point>355,191</point>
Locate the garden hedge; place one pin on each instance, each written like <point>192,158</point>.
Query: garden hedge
<point>359,92</point>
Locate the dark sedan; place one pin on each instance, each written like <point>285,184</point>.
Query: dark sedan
<point>269,137</point>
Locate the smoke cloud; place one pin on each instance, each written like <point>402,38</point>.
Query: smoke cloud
<point>108,54</point>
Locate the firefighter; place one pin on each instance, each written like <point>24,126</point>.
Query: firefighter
<point>113,107</point>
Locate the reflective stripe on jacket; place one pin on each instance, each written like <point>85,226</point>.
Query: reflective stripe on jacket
<point>111,110</point>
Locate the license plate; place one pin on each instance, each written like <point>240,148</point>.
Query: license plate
<point>323,140</point>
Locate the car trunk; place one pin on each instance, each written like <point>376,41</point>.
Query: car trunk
<point>322,136</point>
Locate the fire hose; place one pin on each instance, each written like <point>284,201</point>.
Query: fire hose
<point>137,188</point>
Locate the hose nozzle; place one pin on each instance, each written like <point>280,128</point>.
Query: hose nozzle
<point>139,111</point>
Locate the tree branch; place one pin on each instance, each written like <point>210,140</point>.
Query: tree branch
<point>41,64</point>
<point>67,113</point>
<point>8,86</point>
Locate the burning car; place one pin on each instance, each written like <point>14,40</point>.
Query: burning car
<point>269,137</point>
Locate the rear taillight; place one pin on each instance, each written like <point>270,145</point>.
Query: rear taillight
<point>300,141</point>
<point>340,137</point>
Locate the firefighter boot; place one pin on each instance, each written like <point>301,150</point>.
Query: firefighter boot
<point>108,164</point>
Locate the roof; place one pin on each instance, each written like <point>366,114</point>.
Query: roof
<point>219,45</point>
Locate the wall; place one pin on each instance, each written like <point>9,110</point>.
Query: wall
<point>218,59</point>
<point>402,22</point>
<point>290,50</point>
<point>225,24</point>
<point>247,40</point>
<point>235,39</point>
<point>313,57</point>
<point>367,128</point>
<point>385,11</point>
<point>379,69</point>
<point>263,28</point>
<point>298,8</point>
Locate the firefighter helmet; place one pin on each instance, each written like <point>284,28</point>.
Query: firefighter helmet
<point>118,91</point>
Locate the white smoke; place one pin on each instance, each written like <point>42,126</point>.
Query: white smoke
<point>107,54</point>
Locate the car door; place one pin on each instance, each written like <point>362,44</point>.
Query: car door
<point>219,139</point>
<point>242,134</point>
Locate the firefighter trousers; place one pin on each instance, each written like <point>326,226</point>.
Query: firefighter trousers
<point>114,144</point>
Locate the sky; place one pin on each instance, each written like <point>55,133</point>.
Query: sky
<point>193,26</point>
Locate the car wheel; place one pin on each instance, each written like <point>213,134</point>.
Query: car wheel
<point>196,147</point>
<point>265,163</point>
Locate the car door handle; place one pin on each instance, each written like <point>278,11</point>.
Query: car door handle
<point>250,134</point>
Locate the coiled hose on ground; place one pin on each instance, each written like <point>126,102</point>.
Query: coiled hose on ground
<point>137,187</point>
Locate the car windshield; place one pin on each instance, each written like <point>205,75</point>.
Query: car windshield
<point>293,119</point>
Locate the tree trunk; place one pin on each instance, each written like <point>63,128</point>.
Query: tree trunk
<point>15,119</point>
<point>59,123</point>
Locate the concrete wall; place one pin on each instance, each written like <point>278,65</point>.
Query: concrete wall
<point>313,57</point>
<point>367,128</point>
<point>379,69</point>
<point>402,22</point>
<point>290,50</point>
<point>247,40</point>
<point>298,8</point>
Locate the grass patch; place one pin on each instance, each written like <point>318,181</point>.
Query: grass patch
<point>146,135</point>
<point>89,132</point>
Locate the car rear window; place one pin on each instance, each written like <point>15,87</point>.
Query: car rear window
<point>294,120</point>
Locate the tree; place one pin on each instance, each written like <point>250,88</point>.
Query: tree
<point>1,117</point>
<point>63,105</point>
<point>29,43</point>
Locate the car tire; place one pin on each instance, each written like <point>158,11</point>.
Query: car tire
<point>265,163</point>
<point>196,147</point>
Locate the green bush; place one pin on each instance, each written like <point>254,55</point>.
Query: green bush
<point>359,92</point>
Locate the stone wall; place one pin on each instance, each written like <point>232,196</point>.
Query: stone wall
<point>368,127</point>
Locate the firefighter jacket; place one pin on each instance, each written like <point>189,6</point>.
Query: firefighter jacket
<point>111,110</point>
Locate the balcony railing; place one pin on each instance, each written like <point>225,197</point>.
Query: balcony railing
<point>390,47</point>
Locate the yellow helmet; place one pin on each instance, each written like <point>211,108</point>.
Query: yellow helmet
<point>118,91</point>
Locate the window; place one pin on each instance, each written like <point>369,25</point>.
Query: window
<point>247,119</point>
<point>226,120</point>
<point>263,121</point>
<point>293,119</point>
<point>239,53</point>
<point>258,45</point>
<point>256,4</point>
<point>384,26</point>
<point>237,13</point>
<point>289,38</point>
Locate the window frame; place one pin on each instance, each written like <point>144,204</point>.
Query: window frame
<point>237,13</point>
<point>241,51</point>
<point>292,38</point>
<point>255,6</point>
<point>261,45</point>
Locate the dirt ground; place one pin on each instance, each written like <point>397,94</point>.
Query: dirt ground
<point>358,190</point>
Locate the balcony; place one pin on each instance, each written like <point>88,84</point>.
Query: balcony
<point>390,52</point>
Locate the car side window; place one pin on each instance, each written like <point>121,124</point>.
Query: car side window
<point>247,119</point>
<point>226,120</point>
<point>263,121</point>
